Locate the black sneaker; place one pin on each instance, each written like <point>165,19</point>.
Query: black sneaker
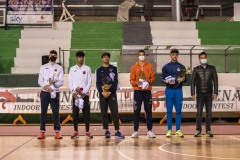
<point>107,134</point>
<point>209,134</point>
<point>198,134</point>
<point>119,135</point>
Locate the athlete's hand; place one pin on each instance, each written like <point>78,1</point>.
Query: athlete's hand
<point>214,96</point>
<point>194,98</point>
<point>139,83</point>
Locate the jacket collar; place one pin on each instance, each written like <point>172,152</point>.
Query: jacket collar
<point>203,67</point>
<point>173,62</point>
<point>145,63</point>
<point>80,67</point>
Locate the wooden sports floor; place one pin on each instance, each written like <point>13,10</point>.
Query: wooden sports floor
<point>21,143</point>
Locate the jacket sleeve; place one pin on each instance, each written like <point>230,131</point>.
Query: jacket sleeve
<point>133,80</point>
<point>60,80</point>
<point>70,81</point>
<point>89,81</point>
<point>164,74</point>
<point>193,82</point>
<point>152,75</point>
<point>40,77</point>
<point>215,81</point>
<point>98,82</point>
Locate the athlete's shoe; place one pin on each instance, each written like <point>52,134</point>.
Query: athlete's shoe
<point>169,134</point>
<point>179,134</point>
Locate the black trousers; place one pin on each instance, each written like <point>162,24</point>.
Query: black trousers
<point>54,102</point>
<point>110,102</point>
<point>146,98</point>
<point>204,99</point>
<point>85,111</point>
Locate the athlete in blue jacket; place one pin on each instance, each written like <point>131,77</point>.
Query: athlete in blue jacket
<point>172,77</point>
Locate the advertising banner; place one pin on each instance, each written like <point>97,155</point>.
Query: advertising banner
<point>27,100</point>
<point>29,11</point>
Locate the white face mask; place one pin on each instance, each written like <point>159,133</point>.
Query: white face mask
<point>203,61</point>
<point>141,58</point>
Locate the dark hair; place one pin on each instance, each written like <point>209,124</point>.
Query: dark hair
<point>106,54</point>
<point>80,54</point>
<point>202,53</point>
<point>53,52</point>
<point>141,50</point>
<point>174,50</point>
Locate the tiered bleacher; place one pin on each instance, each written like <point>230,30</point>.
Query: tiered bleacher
<point>94,38</point>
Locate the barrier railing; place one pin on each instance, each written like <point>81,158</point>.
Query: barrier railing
<point>191,51</point>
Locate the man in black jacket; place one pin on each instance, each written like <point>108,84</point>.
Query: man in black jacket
<point>205,79</point>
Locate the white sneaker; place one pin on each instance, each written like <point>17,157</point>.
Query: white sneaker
<point>151,134</point>
<point>135,134</point>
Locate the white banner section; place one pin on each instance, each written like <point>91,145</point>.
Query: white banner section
<point>30,19</point>
<point>27,100</point>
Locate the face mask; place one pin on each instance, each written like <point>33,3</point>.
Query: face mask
<point>203,61</point>
<point>52,59</point>
<point>141,58</point>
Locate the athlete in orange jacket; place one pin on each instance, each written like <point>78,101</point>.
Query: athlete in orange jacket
<point>141,77</point>
<point>135,73</point>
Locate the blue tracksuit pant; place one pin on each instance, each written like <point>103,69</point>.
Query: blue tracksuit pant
<point>174,97</point>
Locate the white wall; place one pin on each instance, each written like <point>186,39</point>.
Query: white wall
<point>236,12</point>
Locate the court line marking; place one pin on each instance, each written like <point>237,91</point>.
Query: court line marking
<point>9,153</point>
<point>117,148</point>
<point>123,155</point>
<point>161,148</point>
<point>234,138</point>
<point>189,155</point>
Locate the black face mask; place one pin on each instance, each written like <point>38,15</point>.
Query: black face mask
<point>52,59</point>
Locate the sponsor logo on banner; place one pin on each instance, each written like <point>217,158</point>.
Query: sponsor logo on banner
<point>15,19</point>
<point>228,101</point>
<point>29,19</point>
<point>228,98</point>
<point>6,97</point>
